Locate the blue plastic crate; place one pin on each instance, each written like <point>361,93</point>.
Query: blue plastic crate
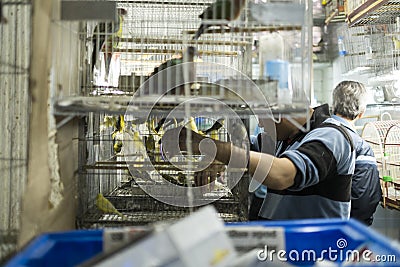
<point>60,249</point>
<point>74,247</point>
<point>344,236</point>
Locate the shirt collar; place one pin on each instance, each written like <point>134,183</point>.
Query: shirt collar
<point>344,122</point>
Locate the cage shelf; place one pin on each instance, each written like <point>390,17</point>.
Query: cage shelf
<point>122,105</point>
<point>96,220</point>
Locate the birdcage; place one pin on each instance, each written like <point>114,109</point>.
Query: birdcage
<point>366,49</point>
<point>383,136</point>
<point>121,52</point>
<point>392,161</point>
<point>144,61</point>
<point>371,47</point>
<point>15,47</point>
<point>129,170</point>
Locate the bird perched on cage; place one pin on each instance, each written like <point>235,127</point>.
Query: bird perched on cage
<point>220,10</point>
<point>150,146</point>
<point>117,135</point>
<point>106,206</point>
<point>2,18</point>
<point>218,124</point>
<point>172,74</point>
<point>187,56</point>
<point>191,124</point>
<point>108,121</point>
<point>180,180</point>
<point>164,123</point>
<point>159,125</point>
<point>396,43</point>
<point>106,36</point>
<point>134,149</point>
<point>138,143</point>
<point>150,143</point>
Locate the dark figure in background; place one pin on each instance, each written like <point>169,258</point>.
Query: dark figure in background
<point>220,10</point>
<point>106,37</point>
<point>349,104</point>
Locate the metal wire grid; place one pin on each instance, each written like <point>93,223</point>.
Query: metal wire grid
<point>15,35</point>
<point>8,244</point>
<point>383,137</point>
<point>382,15</point>
<point>154,32</point>
<point>122,175</point>
<point>374,133</point>
<point>392,162</point>
<point>138,208</point>
<point>369,49</point>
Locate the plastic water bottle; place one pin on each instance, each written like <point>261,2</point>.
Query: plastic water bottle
<point>278,70</point>
<point>342,49</point>
<point>368,48</point>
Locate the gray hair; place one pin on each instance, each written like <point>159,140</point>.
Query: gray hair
<point>349,99</point>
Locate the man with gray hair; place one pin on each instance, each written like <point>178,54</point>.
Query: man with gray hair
<point>349,104</point>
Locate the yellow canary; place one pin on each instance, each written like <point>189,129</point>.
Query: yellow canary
<point>213,130</point>
<point>138,143</point>
<point>120,123</point>
<point>106,206</point>
<point>192,125</point>
<point>396,43</point>
<point>108,121</point>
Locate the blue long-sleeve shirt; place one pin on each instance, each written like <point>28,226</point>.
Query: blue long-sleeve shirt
<point>325,162</point>
<point>366,191</point>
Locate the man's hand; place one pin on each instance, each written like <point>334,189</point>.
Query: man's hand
<point>174,141</point>
<point>209,175</point>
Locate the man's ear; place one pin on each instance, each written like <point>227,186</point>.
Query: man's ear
<point>360,115</point>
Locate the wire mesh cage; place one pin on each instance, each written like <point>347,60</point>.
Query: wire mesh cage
<point>129,69</point>
<point>366,49</point>
<point>125,179</point>
<point>383,136</point>
<point>364,12</point>
<point>15,36</point>
<point>370,48</point>
<point>392,161</point>
<point>116,57</point>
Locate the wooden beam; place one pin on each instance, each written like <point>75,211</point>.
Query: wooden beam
<point>271,28</point>
<point>181,41</point>
<point>174,51</point>
<point>363,10</point>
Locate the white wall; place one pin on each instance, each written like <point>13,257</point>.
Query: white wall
<point>14,117</point>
